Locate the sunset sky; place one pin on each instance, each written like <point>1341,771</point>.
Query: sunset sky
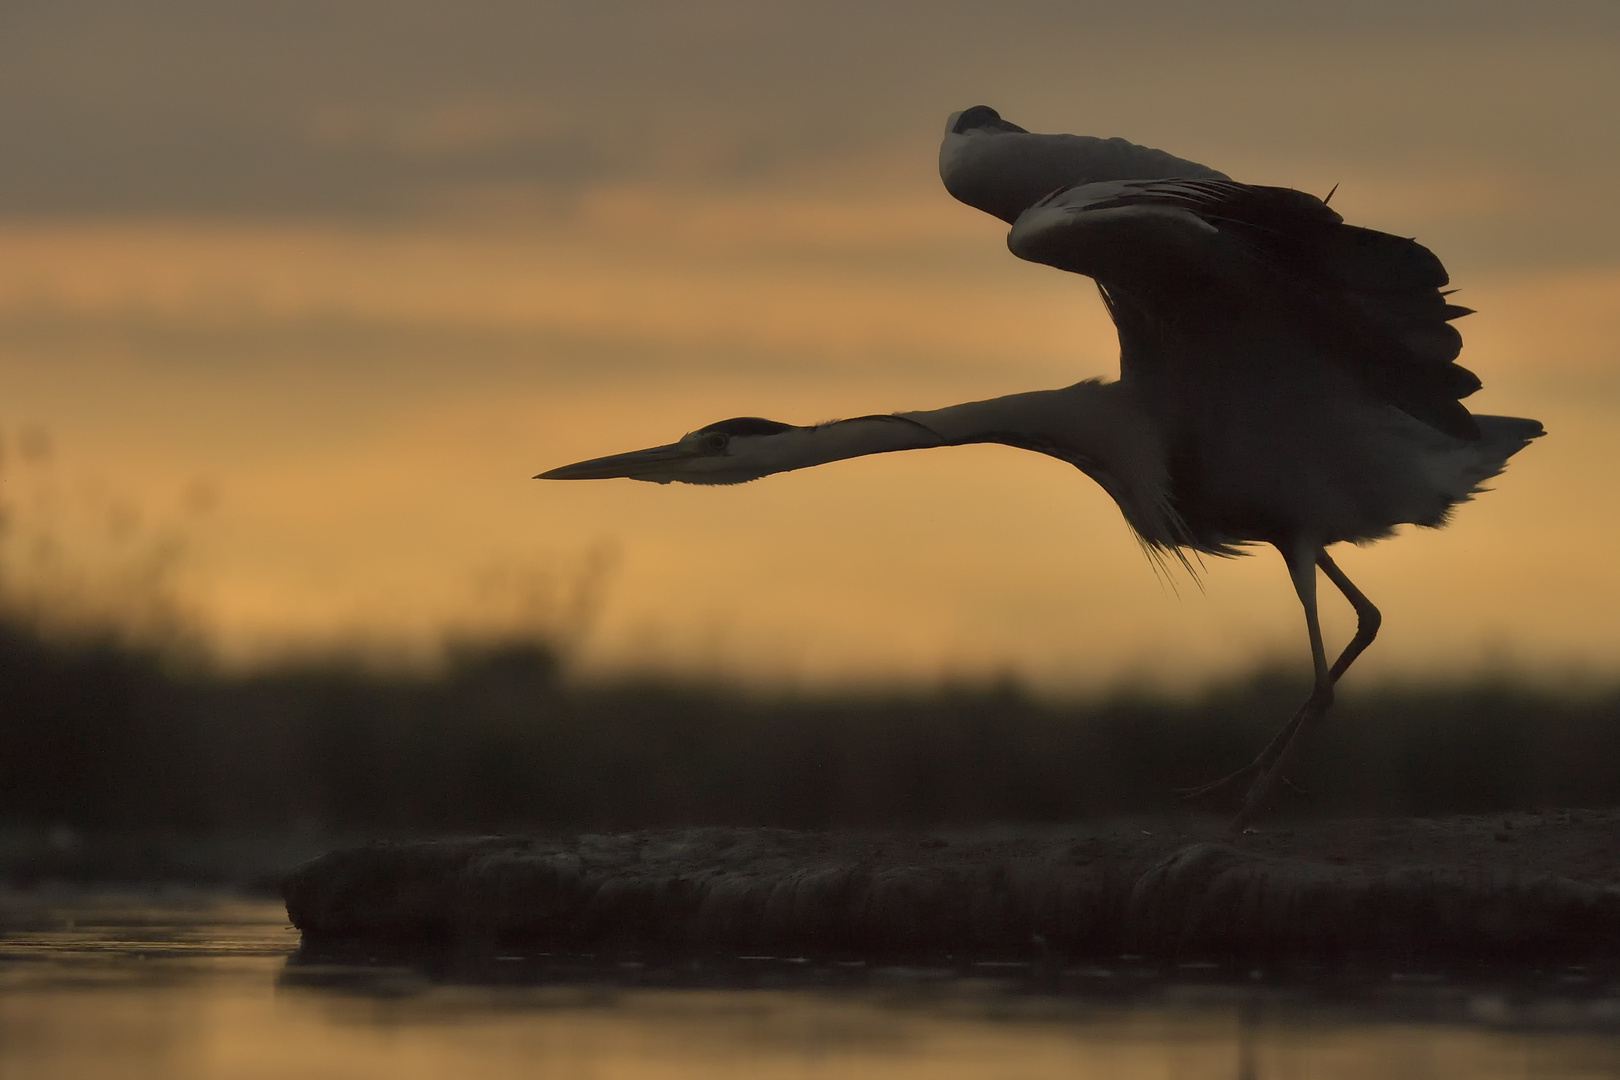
<point>295,299</point>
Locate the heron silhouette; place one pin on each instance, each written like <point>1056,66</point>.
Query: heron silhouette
<point>1284,378</point>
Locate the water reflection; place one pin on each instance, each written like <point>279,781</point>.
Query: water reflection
<point>191,987</point>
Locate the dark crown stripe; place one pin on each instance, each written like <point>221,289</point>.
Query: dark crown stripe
<point>747,425</point>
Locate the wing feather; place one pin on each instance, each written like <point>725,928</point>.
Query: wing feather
<point>1190,249</point>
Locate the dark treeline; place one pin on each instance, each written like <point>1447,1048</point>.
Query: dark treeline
<point>101,736</point>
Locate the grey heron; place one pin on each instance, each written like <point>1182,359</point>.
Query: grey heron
<point>1284,378</point>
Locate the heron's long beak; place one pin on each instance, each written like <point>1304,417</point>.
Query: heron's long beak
<point>636,465</point>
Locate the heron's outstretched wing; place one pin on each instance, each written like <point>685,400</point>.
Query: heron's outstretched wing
<point>998,167</point>
<point>1206,256</point>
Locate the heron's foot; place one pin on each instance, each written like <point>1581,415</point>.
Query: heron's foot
<point>1257,797</point>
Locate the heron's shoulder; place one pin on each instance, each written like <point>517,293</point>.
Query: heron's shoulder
<point>1272,226</point>
<point>1290,229</point>
<point>1218,200</point>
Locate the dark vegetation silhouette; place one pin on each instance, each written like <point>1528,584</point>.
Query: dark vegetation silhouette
<point>105,735</point>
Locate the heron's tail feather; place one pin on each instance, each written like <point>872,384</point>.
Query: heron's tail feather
<point>1503,436</point>
<point>1470,464</point>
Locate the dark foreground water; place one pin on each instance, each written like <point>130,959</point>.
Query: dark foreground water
<point>176,986</point>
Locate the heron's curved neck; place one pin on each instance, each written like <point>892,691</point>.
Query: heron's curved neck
<point>1093,425</point>
<point>1092,420</point>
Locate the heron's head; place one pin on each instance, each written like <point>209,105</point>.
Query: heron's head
<point>729,452</point>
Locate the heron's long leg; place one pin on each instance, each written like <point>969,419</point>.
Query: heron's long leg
<point>1368,620</point>
<point>1302,564</point>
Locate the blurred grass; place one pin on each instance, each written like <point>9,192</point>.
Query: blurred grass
<point>100,735</point>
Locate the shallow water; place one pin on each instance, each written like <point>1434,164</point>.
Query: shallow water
<point>190,986</point>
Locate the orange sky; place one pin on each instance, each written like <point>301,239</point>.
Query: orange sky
<point>310,299</point>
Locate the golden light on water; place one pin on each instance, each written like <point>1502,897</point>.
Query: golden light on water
<point>402,297</point>
<point>236,1029</point>
<point>134,985</point>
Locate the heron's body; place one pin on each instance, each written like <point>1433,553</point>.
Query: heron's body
<point>1284,377</point>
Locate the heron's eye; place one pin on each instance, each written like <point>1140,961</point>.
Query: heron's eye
<point>715,441</point>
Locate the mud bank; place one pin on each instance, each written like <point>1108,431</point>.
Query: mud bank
<point>1515,887</point>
